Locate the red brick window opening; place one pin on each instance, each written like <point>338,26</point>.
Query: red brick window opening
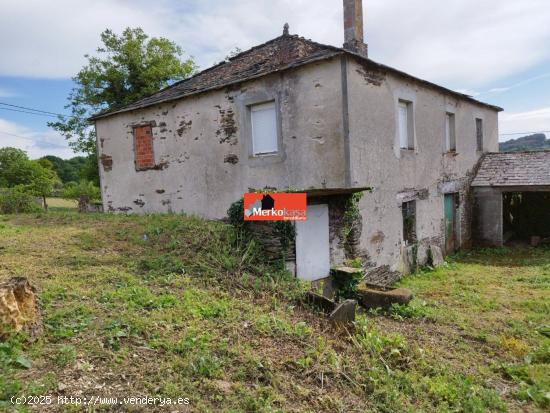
<point>143,141</point>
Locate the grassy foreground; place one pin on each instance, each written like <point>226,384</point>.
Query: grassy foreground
<point>179,307</point>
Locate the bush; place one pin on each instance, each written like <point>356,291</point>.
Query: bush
<point>74,190</point>
<point>15,200</point>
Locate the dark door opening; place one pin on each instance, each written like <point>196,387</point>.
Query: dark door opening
<point>451,204</point>
<point>526,215</point>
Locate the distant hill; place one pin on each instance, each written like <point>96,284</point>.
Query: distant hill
<point>535,142</point>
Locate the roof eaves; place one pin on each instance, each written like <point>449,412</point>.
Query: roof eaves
<point>292,65</point>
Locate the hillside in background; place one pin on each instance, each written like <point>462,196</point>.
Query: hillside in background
<point>535,142</point>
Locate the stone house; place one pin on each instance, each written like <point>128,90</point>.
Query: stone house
<point>293,113</point>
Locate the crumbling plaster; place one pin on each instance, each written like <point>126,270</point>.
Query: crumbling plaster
<point>336,129</point>
<point>377,161</point>
<point>202,145</point>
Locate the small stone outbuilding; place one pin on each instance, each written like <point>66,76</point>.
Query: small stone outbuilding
<point>512,197</point>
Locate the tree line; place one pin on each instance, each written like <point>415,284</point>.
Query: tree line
<point>125,68</point>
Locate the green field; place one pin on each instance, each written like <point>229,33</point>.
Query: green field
<point>175,306</point>
<point>61,204</point>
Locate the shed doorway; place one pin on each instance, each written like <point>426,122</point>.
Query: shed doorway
<point>526,216</point>
<point>312,244</point>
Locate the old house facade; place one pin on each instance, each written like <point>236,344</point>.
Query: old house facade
<point>292,113</point>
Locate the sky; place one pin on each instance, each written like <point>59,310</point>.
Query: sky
<point>495,50</point>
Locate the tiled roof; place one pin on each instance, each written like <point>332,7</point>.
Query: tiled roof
<point>514,169</point>
<point>279,54</point>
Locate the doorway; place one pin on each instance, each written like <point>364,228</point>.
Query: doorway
<point>526,216</point>
<point>312,244</point>
<point>451,205</point>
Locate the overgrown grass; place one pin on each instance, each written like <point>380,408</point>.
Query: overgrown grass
<point>175,306</point>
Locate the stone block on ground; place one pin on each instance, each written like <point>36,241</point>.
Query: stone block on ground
<point>344,313</point>
<point>326,305</point>
<point>422,255</point>
<point>337,313</point>
<point>373,298</point>
<point>346,271</point>
<point>19,309</point>
<point>437,255</point>
<point>407,259</point>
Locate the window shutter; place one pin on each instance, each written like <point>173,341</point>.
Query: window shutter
<point>403,116</point>
<point>264,128</point>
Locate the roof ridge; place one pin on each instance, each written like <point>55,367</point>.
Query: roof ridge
<point>538,151</point>
<point>217,65</point>
<point>313,51</point>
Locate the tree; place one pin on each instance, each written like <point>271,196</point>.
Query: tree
<point>10,159</point>
<point>75,190</point>
<point>33,177</point>
<point>127,67</point>
<point>70,170</point>
<point>14,167</point>
<point>42,181</point>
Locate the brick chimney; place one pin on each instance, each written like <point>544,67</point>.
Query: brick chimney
<point>353,27</point>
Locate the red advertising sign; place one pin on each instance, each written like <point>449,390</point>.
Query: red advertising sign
<point>275,207</point>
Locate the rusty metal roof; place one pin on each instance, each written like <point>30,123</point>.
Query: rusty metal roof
<point>282,53</point>
<point>514,169</point>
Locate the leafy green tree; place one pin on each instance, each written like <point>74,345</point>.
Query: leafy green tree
<point>11,159</point>
<point>42,181</point>
<point>83,188</point>
<point>15,167</point>
<point>71,170</point>
<point>33,177</point>
<point>127,67</point>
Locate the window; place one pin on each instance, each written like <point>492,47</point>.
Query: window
<point>263,122</point>
<point>450,139</point>
<point>406,136</point>
<point>408,210</point>
<point>479,134</point>
<point>143,147</point>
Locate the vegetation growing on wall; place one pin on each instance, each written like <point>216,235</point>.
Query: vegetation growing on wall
<point>284,230</point>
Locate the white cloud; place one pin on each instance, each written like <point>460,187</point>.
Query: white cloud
<point>518,84</point>
<point>525,122</point>
<point>466,42</point>
<point>36,144</point>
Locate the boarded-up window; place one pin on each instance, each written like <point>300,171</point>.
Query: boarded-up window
<point>450,136</point>
<point>143,142</point>
<point>404,115</point>
<point>479,134</point>
<point>263,120</point>
<point>409,221</point>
